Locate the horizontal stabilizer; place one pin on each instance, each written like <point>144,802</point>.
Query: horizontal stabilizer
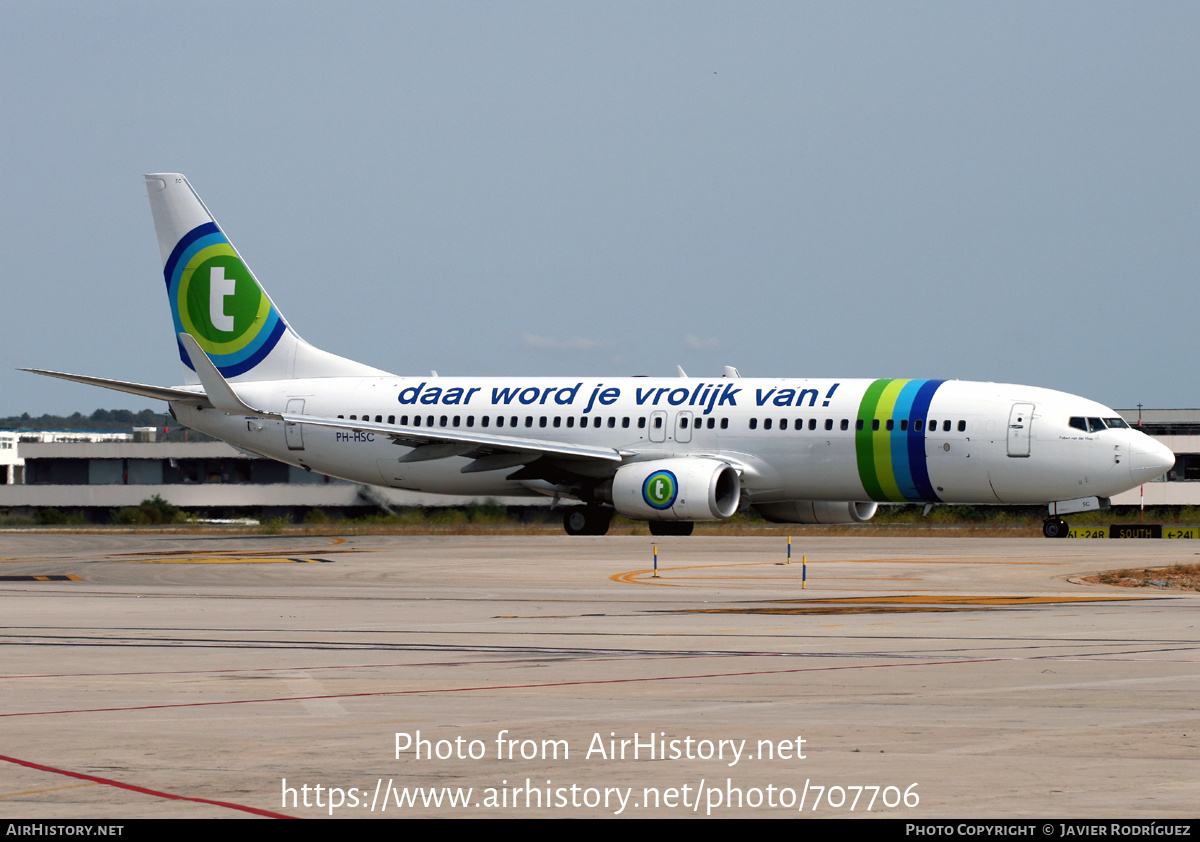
<point>161,393</point>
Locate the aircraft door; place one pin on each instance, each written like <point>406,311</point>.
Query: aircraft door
<point>1020,429</point>
<point>658,425</point>
<point>683,426</point>
<point>294,433</point>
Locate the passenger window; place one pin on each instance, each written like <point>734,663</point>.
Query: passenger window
<point>903,424</point>
<point>657,423</point>
<point>499,420</point>
<point>683,423</point>
<point>812,423</point>
<point>712,422</point>
<point>625,422</point>
<point>416,420</point>
<point>828,423</point>
<point>612,422</point>
<point>753,423</point>
<point>557,420</point>
<point>641,423</point>
<point>443,421</point>
<point>403,420</point>
<point>353,417</point>
<point>783,423</point>
<point>945,426</point>
<point>570,420</point>
<point>528,420</point>
<point>917,425</point>
<point>875,425</point>
<point>513,421</point>
<point>457,420</point>
<point>845,424</point>
<point>889,425</point>
<point>378,419</point>
<point>962,426</point>
<point>858,424</point>
<point>470,420</point>
<point>767,424</point>
<point>724,423</point>
<point>391,419</point>
<point>596,423</point>
<point>485,420</point>
<point>429,420</point>
<point>542,421</point>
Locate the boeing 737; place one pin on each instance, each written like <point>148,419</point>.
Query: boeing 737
<point>670,451</point>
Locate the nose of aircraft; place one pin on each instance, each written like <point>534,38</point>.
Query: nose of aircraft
<point>1148,459</point>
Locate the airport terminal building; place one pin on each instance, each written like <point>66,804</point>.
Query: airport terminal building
<point>98,472</point>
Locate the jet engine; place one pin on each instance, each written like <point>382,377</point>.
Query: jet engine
<point>816,511</point>
<point>684,488</point>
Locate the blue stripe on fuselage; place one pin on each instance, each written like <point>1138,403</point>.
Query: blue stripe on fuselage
<point>916,442</point>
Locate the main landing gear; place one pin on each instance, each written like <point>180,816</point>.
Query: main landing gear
<point>1055,527</point>
<point>587,520</point>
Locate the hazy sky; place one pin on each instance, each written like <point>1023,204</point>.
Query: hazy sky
<point>986,191</point>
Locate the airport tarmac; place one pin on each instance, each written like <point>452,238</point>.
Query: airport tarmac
<point>219,676</point>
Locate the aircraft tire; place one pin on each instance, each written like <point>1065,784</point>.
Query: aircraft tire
<point>599,519</point>
<point>669,527</point>
<point>576,521</point>
<point>1056,528</point>
<point>586,520</point>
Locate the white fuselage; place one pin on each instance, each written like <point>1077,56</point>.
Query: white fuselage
<point>791,439</point>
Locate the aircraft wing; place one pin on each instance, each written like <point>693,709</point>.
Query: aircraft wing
<point>436,443</point>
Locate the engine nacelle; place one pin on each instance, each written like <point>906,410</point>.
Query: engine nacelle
<point>816,511</point>
<point>683,488</point>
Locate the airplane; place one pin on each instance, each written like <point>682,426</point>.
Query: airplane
<point>670,451</point>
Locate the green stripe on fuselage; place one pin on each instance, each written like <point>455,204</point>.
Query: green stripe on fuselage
<point>882,441</point>
<point>874,447</point>
<point>863,447</point>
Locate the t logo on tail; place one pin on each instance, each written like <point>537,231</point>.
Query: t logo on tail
<point>220,288</point>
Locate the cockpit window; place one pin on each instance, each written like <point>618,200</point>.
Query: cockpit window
<point>1079,423</point>
<point>1116,423</point>
<point>1095,425</point>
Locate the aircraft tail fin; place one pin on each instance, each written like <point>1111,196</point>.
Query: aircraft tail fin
<point>217,300</point>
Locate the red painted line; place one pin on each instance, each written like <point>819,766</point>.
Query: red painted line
<point>506,687</point>
<point>142,789</point>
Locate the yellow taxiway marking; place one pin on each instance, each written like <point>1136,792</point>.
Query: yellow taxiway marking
<point>47,789</point>
<point>648,577</point>
<point>908,604</point>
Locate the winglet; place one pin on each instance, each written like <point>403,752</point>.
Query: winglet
<point>220,393</point>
